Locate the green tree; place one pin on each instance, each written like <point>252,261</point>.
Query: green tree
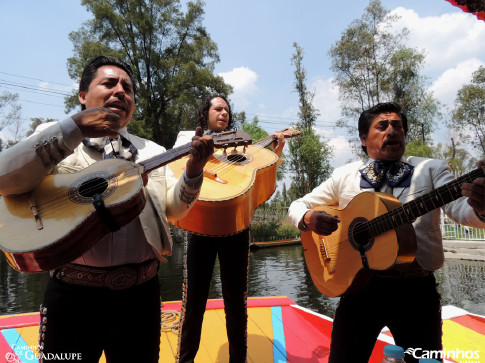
<point>407,87</point>
<point>459,160</point>
<point>419,148</point>
<point>9,111</point>
<point>372,65</point>
<point>171,54</point>
<point>253,129</point>
<point>469,114</point>
<point>257,133</point>
<point>309,159</point>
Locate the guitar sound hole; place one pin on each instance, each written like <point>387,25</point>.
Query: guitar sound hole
<point>236,158</point>
<point>359,236</point>
<point>93,186</point>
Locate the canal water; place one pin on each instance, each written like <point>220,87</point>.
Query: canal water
<point>275,271</point>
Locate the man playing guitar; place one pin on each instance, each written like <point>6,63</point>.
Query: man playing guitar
<point>109,297</point>
<point>406,300</point>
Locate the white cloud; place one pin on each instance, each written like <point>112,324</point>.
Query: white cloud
<point>447,40</point>
<point>326,100</point>
<point>342,152</point>
<point>243,80</point>
<point>327,103</point>
<point>48,86</point>
<point>44,86</point>
<point>454,46</point>
<point>449,82</point>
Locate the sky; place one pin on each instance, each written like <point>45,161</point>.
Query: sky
<point>255,42</point>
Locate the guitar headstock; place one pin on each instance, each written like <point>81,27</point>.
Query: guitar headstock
<point>232,138</point>
<point>290,132</point>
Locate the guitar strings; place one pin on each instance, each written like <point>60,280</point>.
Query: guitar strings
<point>52,203</point>
<point>223,166</point>
<point>129,171</point>
<point>226,165</point>
<point>401,214</point>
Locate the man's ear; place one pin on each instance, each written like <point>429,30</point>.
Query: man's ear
<point>363,140</point>
<point>82,97</point>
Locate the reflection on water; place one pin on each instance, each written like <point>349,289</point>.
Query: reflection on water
<point>462,283</point>
<point>273,272</point>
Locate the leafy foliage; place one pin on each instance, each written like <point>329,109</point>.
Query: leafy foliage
<point>372,65</point>
<point>10,114</point>
<point>469,113</point>
<point>171,54</point>
<point>257,133</point>
<point>309,159</point>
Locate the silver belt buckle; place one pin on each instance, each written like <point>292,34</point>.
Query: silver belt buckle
<point>121,278</point>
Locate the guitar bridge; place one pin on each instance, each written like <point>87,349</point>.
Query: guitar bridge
<point>213,176</point>
<point>35,211</point>
<point>327,261</point>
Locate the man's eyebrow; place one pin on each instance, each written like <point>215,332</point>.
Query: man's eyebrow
<point>114,78</point>
<point>390,120</point>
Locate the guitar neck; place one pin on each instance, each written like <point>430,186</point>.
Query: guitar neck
<point>221,140</point>
<point>267,141</point>
<point>421,205</point>
<point>287,133</point>
<point>167,157</point>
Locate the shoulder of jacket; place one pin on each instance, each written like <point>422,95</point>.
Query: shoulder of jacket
<point>44,126</point>
<point>141,143</point>
<point>424,162</point>
<point>185,133</point>
<point>354,166</point>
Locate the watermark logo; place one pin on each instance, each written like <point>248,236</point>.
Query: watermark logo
<point>12,358</point>
<point>34,357</point>
<point>461,356</point>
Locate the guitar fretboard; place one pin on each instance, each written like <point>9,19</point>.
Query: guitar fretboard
<point>266,141</point>
<point>165,158</point>
<point>421,205</point>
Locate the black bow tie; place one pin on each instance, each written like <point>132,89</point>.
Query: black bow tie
<point>395,174</point>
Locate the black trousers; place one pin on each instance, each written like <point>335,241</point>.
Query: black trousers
<point>233,253</point>
<point>409,307</point>
<point>87,320</point>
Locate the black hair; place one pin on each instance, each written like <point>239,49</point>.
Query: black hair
<point>89,72</point>
<point>366,118</point>
<point>201,119</point>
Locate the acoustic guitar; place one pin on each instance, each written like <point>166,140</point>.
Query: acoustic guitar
<point>235,184</point>
<point>66,214</point>
<point>375,233</point>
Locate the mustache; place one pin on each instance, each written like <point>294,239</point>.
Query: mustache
<point>119,104</point>
<point>391,142</point>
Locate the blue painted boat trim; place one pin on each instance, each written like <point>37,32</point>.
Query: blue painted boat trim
<point>279,345</point>
<point>19,345</point>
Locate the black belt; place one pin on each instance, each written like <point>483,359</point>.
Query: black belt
<point>114,278</point>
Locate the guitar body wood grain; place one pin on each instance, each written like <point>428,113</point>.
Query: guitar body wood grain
<point>225,208</point>
<point>68,224</point>
<point>336,263</point>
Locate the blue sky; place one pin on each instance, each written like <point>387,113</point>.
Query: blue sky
<point>255,41</point>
